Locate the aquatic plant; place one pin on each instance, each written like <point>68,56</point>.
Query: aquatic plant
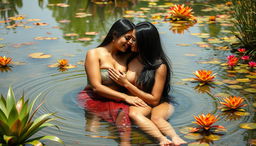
<point>16,122</point>
<point>180,12</point>
<point>245,18</point>
<point>252,64</point>
<point>204,76</point>
<point>232,103</point>
<point>241,50</point>
<point>232,61</point>
<point>62,62</point>
<point>206,122</point>
<point>4,61</point>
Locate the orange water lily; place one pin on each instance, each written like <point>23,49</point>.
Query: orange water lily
<point>206,122</point>
<point>63,62</point>
<point>204,76</point>
<point>233,102</point>
<point>4,61</point>
<point>181,12</point>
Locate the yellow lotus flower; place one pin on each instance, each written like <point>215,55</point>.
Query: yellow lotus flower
<point>205,121</point>
<point>233,102</point>
<point>204,76</point>
<point>4,61</point>
<point>63,62</point>
<point>181,12</point>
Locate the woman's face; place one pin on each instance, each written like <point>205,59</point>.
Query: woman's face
<point>125,41</point>
<point>134,44</point>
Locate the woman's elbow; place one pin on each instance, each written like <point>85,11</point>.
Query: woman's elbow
<point>154,102</point>
<point>96,88</point>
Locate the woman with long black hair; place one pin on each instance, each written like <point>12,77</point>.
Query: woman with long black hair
<point>102,96</point>
<point>148,77</point>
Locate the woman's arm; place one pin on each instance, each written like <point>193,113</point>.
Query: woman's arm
<point>152,98</point>
<point>92,68</point>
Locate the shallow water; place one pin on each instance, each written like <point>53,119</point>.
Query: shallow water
<point>59,89</point>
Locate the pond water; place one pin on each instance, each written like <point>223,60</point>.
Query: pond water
<point>189,51</point>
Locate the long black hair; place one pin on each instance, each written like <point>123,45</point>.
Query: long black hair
<point>151,55</point>
<point>119,28</point>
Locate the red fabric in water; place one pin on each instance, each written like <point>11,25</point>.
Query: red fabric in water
<point>105,108</point>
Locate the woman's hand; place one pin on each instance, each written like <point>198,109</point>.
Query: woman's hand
<point>118,76</point>
<point>136,101</point>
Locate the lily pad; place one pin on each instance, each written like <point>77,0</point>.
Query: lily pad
<point>230,81</point>
<point>251,76</point>
<point>243,80</point>
<point>39,55</point>
<point>242,113</point>
<point>188,79</point>
<point>193,136</point>
<point>254,104</point>
<point>91,33</point>
<point>251,90</point>
<point>235,87</point>
<point>186,130</point>
<point>84,39</point>
<point>71,34</point>
<point>212,137</point>
<point>217,82</point>
<point>248,125</point>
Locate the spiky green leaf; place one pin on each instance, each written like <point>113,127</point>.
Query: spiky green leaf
<point>50,137</point>
<point>13,116</point>
<point>35,143</point>
<point>10,100</point>
<point>3,106</point>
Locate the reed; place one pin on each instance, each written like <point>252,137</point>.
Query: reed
<point>244,13</point>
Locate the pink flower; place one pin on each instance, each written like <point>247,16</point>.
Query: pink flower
<point>230,57</point>
<point>252,64</point>
<point>241,50</point>
<point>245,57</point>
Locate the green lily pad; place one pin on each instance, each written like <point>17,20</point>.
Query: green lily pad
<point>243,80</point>
<point>235,87</point>
<point>242,71</point>
<point>193,136</point>
<point>186,130</point>
<point>251,90</point>
<point>212,137</point>
<point>251,76</point>
<point>242,113</point>
<point>248,125</point>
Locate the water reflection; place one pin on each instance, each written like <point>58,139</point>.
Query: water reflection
<point>8,8</point>
<point>87,16</point>
<point>5,69</point>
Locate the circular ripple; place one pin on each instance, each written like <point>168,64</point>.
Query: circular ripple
<point>59,91</point>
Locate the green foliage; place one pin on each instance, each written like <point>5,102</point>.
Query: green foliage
<point>245,18</point>
<point>17,125</point>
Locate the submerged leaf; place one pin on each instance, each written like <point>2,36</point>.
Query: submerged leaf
<point>248,125</point>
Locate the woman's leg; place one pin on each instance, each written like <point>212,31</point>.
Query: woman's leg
<point>159,116</point>
<point>138,114</point>
<point>124,128</point>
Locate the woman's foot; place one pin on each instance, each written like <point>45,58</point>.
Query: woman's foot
<point>178,141</point>
<point>165,142</point>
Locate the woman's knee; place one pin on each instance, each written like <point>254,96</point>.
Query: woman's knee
<point>156,119</point>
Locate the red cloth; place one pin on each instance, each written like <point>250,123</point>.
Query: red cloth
<point>105,108</point>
